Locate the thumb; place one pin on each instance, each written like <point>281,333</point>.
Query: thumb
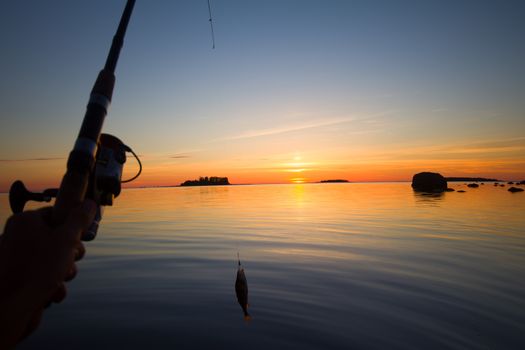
<point>79,219</point>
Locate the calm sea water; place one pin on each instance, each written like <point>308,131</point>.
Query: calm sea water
<point>329,266</point>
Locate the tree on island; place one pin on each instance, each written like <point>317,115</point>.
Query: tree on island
<point>207,181</point>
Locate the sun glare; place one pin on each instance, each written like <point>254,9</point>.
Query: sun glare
<point>297,165</point>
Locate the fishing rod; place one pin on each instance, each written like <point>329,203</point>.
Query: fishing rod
<point>94,166</point>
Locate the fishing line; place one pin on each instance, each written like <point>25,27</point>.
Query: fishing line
<point>211,26</point>
<point>128,149</point>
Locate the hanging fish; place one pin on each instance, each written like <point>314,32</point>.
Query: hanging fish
<point>241,289</point>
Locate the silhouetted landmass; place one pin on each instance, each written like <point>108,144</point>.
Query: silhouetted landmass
<point>207,181</point>
<point>332,181</point>
<point>466,179</point>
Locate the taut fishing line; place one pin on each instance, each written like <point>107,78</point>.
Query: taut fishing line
<point>211,26</point>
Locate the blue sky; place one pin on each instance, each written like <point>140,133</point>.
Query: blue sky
<point>334,83</point>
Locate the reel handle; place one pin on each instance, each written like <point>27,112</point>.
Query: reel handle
<point>19,195</point>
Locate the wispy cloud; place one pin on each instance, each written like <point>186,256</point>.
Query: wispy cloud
<point>297,127</point>
<point>503,144</point>
<point>467,151</point>
<point>483,149</point>
<point>179,156</point>
<point>30,159</point>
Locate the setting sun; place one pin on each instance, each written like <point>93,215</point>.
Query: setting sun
<point>298,180</point>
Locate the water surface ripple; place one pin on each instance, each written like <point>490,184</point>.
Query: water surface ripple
<point>329,266</point>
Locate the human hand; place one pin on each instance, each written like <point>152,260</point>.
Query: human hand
<point>35,261</point>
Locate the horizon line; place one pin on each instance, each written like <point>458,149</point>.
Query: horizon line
<point>312,182</point>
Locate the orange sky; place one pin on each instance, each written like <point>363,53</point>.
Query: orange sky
<point>375,92</point>
<point>494,159</point>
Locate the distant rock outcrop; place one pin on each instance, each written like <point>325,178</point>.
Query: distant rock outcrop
<point>473,185</point>
<point>429,182</point>
<point>515,189</point>
<point>476,179</point>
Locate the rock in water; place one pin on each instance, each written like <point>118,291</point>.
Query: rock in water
<point>473,185</point>
<point>429,182</point>
<point>515,189</point>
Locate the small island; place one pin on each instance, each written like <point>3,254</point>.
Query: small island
<point>469,179</point>
<point>207,181</point>
<point>332,181</point>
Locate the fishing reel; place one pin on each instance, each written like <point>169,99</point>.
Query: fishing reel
<point>104,183</point>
